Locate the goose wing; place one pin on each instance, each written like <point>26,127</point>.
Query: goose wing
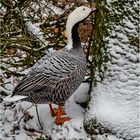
<point>47,73</point>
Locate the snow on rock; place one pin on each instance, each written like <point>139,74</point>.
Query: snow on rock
<point>105,137</point>
<point>114,107</point>
<point>81,94</point>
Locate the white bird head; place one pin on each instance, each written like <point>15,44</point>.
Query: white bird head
<point>78,15</point>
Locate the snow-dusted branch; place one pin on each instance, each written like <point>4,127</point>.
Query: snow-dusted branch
<point>37,33</point>
<point>7,92</point>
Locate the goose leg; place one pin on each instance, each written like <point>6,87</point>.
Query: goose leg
<point>60,120</point>
<point>54,111</point>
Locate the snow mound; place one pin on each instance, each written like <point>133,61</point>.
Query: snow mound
<point>114,106</point>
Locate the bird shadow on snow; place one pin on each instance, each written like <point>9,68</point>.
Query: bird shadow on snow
<point>23,117</point>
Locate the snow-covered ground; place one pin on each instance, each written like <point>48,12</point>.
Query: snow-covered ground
<point>9,117</point>
<point>14,126</point>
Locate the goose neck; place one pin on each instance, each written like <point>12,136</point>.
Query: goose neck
<point>73,36</point>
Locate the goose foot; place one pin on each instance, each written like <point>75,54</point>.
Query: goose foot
<point>60,121</point>
<point>58,114</point>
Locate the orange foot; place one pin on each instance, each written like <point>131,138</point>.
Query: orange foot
<point>58,113</point>
<point>60,121</point>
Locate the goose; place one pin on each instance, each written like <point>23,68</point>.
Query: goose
<point>55,77</point>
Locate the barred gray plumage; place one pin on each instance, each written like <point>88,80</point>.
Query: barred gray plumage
<point>54,78</point>
<point>57,75</point>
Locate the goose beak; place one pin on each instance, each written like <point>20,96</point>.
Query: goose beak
<point>94,10</point>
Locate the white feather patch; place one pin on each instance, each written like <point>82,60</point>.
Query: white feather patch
<point>14,98</point>
<point>69,46</point>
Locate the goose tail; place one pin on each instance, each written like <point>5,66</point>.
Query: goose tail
<point>15,98</point>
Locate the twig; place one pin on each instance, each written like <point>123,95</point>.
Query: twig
<point>24,114</point>
<point>11,72</point>
<point>33,100</point>
<point>92,73</point>
<point>39,119</point>
<point>90,38</point>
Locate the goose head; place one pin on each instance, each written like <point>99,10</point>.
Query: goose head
<point>77,16</point>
